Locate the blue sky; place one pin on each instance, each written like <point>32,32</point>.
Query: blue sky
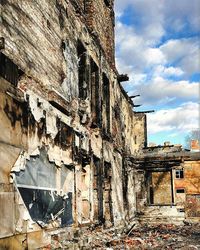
<point>157,45</point>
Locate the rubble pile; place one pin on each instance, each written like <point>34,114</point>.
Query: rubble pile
<point>163,236</point>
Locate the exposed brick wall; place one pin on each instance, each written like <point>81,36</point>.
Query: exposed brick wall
<point>100,20</point>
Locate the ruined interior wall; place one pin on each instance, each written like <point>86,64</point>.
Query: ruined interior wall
<point>128,128</point>
<point>161,185</point>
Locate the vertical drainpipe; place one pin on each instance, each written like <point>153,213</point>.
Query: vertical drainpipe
<point>172,186</point>
<point>75,199</point>
<point>102,148</point>
<point>145,131</point>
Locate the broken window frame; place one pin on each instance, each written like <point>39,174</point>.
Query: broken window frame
<point>64,137</point>
<point>106,103</point>
<point>98,175</point>
<point>95,94</point>
<point>37,184</point>
<point>9,70</point>
<point>82,71</point>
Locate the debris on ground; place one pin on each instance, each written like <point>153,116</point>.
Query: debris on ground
<point>163,236</point>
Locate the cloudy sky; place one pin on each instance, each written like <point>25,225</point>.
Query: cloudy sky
<point>157,45</point>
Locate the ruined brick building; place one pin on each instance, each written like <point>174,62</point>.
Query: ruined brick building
<point>73,151</point>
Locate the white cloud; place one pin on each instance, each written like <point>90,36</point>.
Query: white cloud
<point>154,56</point>
<point>159,15</point>
<point>151,21</point>
<point>180,13</point>
<point>161,91</point>
<point>134,50</point>
<point>151,17</point>
<point>161,70</point>
<point>173,71</point>
<point>181,119</point>
<point>184,52</point>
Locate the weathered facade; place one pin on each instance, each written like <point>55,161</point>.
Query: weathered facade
<point>187,188</point>
<point>71,144</point>
<point>66,122</point>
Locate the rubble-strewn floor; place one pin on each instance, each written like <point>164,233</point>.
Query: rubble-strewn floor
<point>161,236</point>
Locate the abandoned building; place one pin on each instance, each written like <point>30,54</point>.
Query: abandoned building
<point>73,150</point>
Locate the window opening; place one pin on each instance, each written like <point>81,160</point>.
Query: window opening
<point>107,3</point>
<point>179,174</point>
<point>95,94</point>
<point>82,71</point>
<point>180,191</point>
<point>9,70</point>
<point>106,102</point>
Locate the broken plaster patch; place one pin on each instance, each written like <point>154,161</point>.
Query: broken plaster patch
<point>36,110</point>
<point>59,157</point>
<point>20,163</point>
<point>40,108</point>
<point>51,124</point>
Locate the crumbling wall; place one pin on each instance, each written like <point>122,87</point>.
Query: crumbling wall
<point>67,124</point>
<point>100,20</point>
<point>128,127</point>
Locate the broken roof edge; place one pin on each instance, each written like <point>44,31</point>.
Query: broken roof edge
<point>165,156</point>
<point>130,101</point>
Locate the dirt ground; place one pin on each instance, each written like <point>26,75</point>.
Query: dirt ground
<point>186,237</point>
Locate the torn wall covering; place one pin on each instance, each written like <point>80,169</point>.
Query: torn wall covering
<point>68,126</point>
